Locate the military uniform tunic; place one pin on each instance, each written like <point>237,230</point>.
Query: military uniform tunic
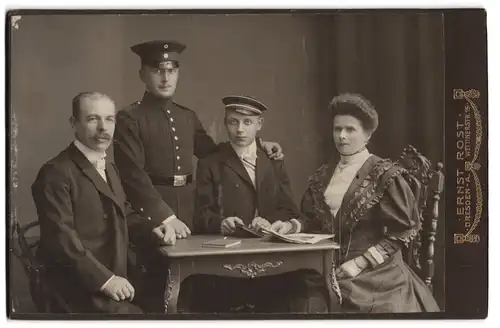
<point>155,140</point>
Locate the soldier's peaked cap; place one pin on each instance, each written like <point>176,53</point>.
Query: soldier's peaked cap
<point>158,51</point>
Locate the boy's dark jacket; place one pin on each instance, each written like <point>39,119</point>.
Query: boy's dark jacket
<point>224,189</point>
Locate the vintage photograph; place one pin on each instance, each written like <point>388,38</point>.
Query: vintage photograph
<point>227,163</point>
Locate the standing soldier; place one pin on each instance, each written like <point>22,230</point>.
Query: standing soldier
<point>155,139</point>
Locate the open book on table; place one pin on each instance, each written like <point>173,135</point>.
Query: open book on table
<point>297,238</point>
<point>243,231</point>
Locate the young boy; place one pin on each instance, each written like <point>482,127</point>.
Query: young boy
<point>238,184</point>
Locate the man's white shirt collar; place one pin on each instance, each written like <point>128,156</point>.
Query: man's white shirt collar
<point>98,159</point>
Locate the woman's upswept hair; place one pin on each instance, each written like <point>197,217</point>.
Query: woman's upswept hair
<point>357,106</point>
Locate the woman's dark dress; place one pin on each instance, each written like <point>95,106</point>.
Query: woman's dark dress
<point>377,210</point>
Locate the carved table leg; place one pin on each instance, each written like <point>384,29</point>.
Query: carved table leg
<point>172,288</point>
<point>331,281</point>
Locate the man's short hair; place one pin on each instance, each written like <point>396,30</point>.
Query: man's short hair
<point>77,101</point>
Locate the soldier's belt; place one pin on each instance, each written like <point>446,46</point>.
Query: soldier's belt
<point>175,181</point>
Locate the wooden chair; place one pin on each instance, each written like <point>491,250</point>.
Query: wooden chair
<point>427,185</point>
<point>44,296</point>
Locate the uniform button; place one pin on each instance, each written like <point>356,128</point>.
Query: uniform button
<point>175,137</point>
<point>176,147</point>
<point>168,111</point>
<point>173,129</point>
<point>178,168</point>
<point>178,157</point>
<point>171,119</point>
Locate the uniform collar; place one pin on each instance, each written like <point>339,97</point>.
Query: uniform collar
<point>92,155</point>
<point>247,152</point>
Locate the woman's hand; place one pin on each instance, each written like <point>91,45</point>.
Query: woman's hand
<point>352,268</point>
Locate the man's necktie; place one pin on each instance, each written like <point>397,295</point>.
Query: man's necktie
<point>249,162</point>
<point>100,166</point>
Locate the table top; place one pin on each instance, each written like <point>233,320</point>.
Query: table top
<point>192,246</point>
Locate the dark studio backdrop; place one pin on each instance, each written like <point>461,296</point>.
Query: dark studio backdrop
<point>295,63</point>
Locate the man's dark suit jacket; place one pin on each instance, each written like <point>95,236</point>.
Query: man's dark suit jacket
<point>84,227</point>
<point>224,189</point>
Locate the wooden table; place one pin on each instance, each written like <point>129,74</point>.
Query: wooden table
<point>254,257</point>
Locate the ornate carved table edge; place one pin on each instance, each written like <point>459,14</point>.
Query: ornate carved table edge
<point>253,269</point>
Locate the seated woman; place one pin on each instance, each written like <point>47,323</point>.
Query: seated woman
<point>366,202</point>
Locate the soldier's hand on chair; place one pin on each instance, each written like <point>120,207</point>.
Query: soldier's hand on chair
<point>228,225</point>
<point>282,227</point>
<point>165,234</point>
<point>273,150</point>
<point>119,289</point>
<point>260,222</point>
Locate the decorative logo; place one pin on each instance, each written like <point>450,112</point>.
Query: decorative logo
<point>469,136</point>
<point>252,269</point>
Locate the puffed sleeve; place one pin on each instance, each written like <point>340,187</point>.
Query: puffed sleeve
<point>399,215</point>
<point>314,210</point>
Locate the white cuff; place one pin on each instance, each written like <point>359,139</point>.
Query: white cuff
<point>296,225</point>
<point>376,254</point>
<point>170,218</point>
<point>106,283</point>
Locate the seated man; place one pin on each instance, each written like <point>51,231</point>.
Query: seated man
<point>84,219</point>
<point>238,184</point>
